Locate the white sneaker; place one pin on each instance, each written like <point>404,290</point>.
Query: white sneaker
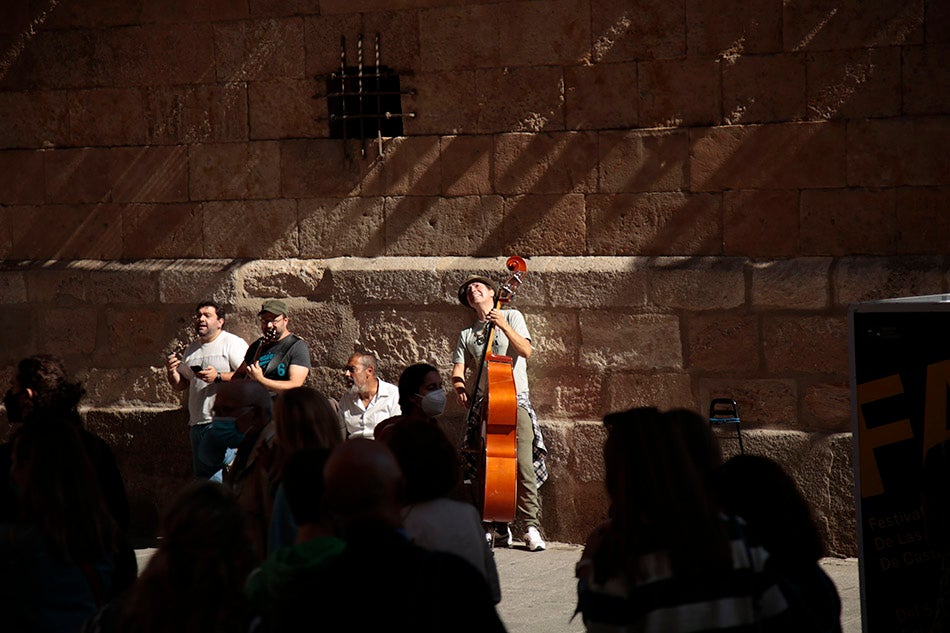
<point>501,538</point>
<point>533,540</point>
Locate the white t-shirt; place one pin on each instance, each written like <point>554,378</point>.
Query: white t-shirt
<point>360,421</point>
<point>225,353</point>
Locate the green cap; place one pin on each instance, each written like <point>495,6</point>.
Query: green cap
<point>274,306</point>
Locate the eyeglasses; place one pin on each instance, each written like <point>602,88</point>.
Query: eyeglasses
<point>275,319</point>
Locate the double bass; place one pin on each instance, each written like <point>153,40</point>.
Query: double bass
<point>498,423</point>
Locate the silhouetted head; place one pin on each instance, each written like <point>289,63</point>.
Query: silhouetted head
<point>364,483</point>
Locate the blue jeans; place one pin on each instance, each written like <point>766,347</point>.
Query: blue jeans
<point>212,446</point>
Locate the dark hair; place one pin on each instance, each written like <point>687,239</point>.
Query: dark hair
<point>304,485</point>
<point>60,493</point>
<point>409,383</point>
<point>204,545</point>
<point>54,395</point>
<point>305,418</point>
<point>428,460</point>
<point>759,490</point>
<point>661,497</point>
<point>207,303</point>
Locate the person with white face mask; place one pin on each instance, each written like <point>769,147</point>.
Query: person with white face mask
<point>421,397</point>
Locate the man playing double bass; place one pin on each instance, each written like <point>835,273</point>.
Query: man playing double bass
<point>512,339</point>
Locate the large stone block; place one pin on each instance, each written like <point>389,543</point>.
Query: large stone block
<point>545,163</point>
<point>188,283</point>
<point>409,166</point>
<point>791,284</point>
<point>119,283</point>
<point>318,167</point>
<point>850,84</point>
<point>654,224</point>
<point>733,27</point>
<point>153,454</point>
<point>259,49</point>
<point>329,329</point>
<point>229,171</point>
<point>723,342</point>
<point>282,278</point>
<point>543,33</point>
<point>94,14</point>
<point>762,402</point>
<point>338,227</point>
<point>828,406</point>
<point>197,114</point>
<point>644,29</point>
<point>385,281</point>
<point>161,230</point>
<point>287,108</point>
<point>65,232</point>
<point>171,11</point>
<point>597,96</point>
<point>895,152</point>
<point>922,221</point>
<point>617,341</point>
<point>760,223</point>
<point>624,390</point>
<point>679,93</point>
<point>562,392</point>
<point>17,324</point>
<point>808,344</point>
<point>150,174</point>
<point>135,335</point>
<point>551,224</point>
<point>60,285</point>
<point>68,332</point>
<point>59,59</point>
<point>809,25</point>
<point>322,41</point>
<point>403,337</point>
<point>466,165</point>
<point>587,282</point>
<point>459,37</point>
<point>465,225</point>
<point>780,156</point>
<point>698,284</point>
<point>763,89</point>
<point>643,160</point>
<point>125,124</point>
<point>399,33</point>
<point>443,103</point>
<point>871,278</point>
<point>266,229</point>
<point>520,99</point>
<point>21,177</point>
<point>848,221</point>
<point>81,175</point>
<point>12,287</point>
<point>174,55</point>
<point>554,336</point>
<point>33,119</point>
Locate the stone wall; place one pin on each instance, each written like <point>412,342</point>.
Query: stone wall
<point>700,188</point>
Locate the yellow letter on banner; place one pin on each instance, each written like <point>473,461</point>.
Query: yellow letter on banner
<point>935,407</point>
<point>869,439</point>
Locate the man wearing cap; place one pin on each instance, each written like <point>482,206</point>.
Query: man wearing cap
<point>215,354</point>
<point>511,339</point>
<point>278,360</point>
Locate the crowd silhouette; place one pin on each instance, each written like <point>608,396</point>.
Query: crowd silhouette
<point>312,531</point>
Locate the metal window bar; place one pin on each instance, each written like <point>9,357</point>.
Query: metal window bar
<point>365,97</point>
